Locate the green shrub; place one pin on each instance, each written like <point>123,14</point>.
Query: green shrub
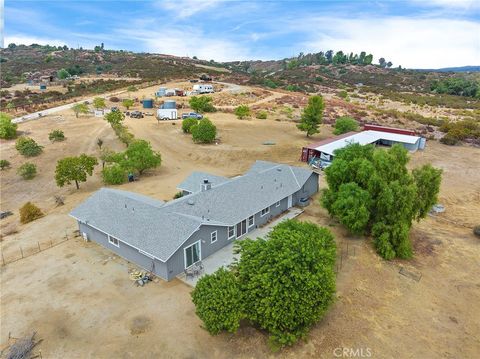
<point>29,212</point>
<point>188,123</point>
<point>342,94</point>
<point>114,118</point>
<point>8,129</point>
<point>270,83</point>
<point>449,140</point>
<point>28,147</point>
<point>345,124</point>
<point>123,134</point>
<point>287,282</point>
<point>56,135</point>
<point>27,171</point>
<point>242,111</point>
<point>201,104</point>
<point>114,174</point>
<point>204,132</point>
<point>4,164</point>
<point>217,300</point>
<point>262,115</point>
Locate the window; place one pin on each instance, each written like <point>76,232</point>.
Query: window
<point>265,211</point>
<point>251,221</point>
<point>113,240</point>
<point>192,254</point>
<point>231,232</point>
<point>213,237</point>
<point>277,204</point>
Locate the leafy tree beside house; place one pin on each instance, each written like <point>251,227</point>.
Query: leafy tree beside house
<point>80,108</point>
<point>8,129</point>
<point>284,284</point>
<point>370,191</point>
<point>74,169</point>
<point>345,124</point>
<point>312,116</point>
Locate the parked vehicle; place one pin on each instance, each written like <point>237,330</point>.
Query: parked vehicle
<point>205,77</point>
<point>113,109</point>
<point>136,114</point>
<point>166,114</point>
<point>198,116</point>
<point>203,88</point>
<point>193,80</point>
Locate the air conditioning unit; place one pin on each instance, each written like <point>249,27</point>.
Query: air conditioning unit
<point>85,237</point>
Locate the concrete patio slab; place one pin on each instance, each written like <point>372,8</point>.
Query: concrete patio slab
<point>225,256</point>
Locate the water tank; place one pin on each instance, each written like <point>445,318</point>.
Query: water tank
<point>43,87</point>
<point>161,91</point>
<point>170,104</point>
<point>148,103</point>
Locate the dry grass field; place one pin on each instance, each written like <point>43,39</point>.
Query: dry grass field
<point>79,299</point>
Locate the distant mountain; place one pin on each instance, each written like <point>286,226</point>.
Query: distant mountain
<point>454,69</point>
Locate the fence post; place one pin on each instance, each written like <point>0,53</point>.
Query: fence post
<point>39,246</point>
<point>21,251</point>
<point>3,259</point>
<point>51,243</point>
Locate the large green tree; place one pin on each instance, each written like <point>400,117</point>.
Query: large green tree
<point>74,169</point>
<point>204,132</point>
<point>99,102</point>
<point>8,129</point>
<point>371,191</point>
<point>345,124</point>
<point>139,156</point>
<point>284,283</point>
<point>312,116</point>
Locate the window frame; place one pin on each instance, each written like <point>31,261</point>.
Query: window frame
<point>211,236</point>
<point>252,217</point>
<point>277,204</point>
<point>228,232</point>
<point>267,211</point>
<point>112,242</point>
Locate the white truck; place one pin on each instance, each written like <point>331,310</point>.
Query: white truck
<point>167,114</point>
<point>203,88</point>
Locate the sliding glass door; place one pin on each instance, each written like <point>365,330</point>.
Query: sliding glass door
<point>241,228</point>
<point>192,254</point>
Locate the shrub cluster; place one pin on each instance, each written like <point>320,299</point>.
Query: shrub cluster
<point>56,135</point>
<point>29,212</point>
<point>204,132</point>
<point>201,104</point>
<point>345,124</point>
<point>262,115</point>
<point>188,123</point>
<point>28,147</point>
<point>460,130</point>
<point>242,111</point>
<point>4,164</point>
<point>8,129</point>
<point>371,191</point>
<point>284,284</point>
<point>27,171</point>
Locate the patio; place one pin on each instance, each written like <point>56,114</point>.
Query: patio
<point>225,256</point>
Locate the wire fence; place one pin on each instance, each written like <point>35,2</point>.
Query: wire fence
<point>345,252</point>
<point>27,251</point>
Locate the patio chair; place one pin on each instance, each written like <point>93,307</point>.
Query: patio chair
<point>188,273</point>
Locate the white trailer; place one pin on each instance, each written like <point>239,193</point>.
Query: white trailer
<point>166,114</point>
<point>203,88</point>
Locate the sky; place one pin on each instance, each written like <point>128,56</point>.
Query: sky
<point>410,33</point>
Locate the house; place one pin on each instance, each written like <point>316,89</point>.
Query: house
<point>323,151</point>
<point>168,237</point>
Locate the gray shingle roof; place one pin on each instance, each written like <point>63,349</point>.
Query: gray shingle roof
<point>160,228</point>
<point>194,181</point>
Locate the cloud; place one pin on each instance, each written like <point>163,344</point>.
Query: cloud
<point>410,42</point>
<point>449,4</point>
<point>186,8</point>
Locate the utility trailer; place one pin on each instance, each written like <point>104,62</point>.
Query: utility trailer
<point>164,114</point>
